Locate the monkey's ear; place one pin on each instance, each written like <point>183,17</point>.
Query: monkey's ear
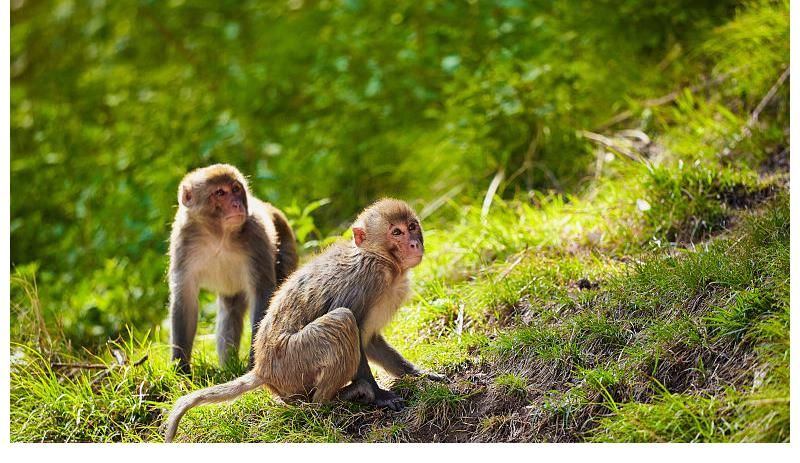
<point>185,196</point>
<point>359,235</point>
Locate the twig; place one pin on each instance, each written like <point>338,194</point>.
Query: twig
<point>609,143</point>
<point>768,97</point>
<point>119,356</point>
<point>511,267</point>
<point>747,129</point>
<point>121,360</point>
<point>460,321</point>
<point>85,366</point>
<point>777,400</point>
<point>668,98</point>
<point>600,154</point>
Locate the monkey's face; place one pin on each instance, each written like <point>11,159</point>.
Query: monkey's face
<point>229,203</point>
<point>406,242</point>
<point>389,227</point>
<point>215,196</point>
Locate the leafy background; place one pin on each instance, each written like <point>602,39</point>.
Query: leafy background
<point>113,102</point>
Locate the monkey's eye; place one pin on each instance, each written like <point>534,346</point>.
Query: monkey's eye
<point>397,232</point>
<point>412,226</point>
<point>219,193</point>
<point>236,189</point>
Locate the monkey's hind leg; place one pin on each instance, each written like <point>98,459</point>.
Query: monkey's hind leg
<point>323,356</point>
<point>229,326</point>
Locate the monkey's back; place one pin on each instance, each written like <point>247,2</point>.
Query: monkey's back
<point>341,276</point>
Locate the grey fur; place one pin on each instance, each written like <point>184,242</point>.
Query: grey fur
<point>241,265</point>
<point>380,352</point>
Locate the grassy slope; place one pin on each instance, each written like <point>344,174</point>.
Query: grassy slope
<point>654,306</point>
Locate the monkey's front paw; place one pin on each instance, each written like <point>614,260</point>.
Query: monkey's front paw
<point>388,399</point>
<point>436,377</point>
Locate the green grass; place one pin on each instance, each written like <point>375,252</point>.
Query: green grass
<point>612,341</point>
<point>607,355</point>
<point>627,360</point>
<point>512,384</point>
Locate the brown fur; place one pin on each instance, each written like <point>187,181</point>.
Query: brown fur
<point>325,321</point>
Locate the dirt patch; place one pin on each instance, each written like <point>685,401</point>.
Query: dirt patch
<point>743,197</point>
<point>555,404</point>
<point>774,171</point>
<point>485,412</point>
<point>777,162</point>
<point>695,369</point>
<point>734,199</point>
<point>482,412</point>
<point>489,411</point>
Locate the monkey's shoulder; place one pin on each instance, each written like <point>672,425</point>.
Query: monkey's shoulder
<point>344,261</point>
<point>338,277</point>
<point>270,220</point>
<point>338,267</point>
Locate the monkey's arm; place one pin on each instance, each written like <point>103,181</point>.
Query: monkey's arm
<point>380,352</point>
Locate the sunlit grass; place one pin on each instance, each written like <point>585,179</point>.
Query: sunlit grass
<point>529,316</point>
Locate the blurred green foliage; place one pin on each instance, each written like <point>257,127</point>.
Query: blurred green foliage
<point>338,102</point>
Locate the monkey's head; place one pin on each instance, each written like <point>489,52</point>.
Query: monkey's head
<point>217,194</point>
<point>390,228</point>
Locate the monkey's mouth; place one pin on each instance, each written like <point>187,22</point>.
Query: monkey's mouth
<point>413,260</point>
<point>236,217</point>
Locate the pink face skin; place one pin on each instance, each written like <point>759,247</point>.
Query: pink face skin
<point>403,240</point>
<point>230,198</point>
<point>407,241</point>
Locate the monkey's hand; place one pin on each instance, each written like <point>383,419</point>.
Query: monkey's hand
<point>388,399</point>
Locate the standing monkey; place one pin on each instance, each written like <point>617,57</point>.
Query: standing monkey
<point>225,240</point>
<point>324,323</point>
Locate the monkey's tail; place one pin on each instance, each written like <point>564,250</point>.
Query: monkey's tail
<point>218,393</point>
